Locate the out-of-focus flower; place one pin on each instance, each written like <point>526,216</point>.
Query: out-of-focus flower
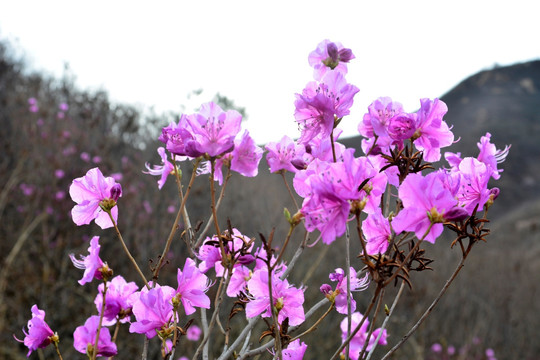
<point>361,337</point>
<point>281,154</point>
<point>193,333</point>
<point>295,350</point>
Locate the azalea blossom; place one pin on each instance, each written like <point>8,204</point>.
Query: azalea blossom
<point>281,154</point>
<point>294,351</point>
<point>39,333</point>
<point>161,170</point>
<point>153,310</point>
<point>361,337</point>
<point>329,56</point>
<point>321,104</point>
<point>92,192</point>
<point>340,294</point>
<point>287,299</point>
<point>192,287</point>
<point>376,229</point>
<point>117,305</point>
<point>84,339</point>
<point>91,264</point>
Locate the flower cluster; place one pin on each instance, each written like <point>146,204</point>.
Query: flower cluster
<point>337,187</point>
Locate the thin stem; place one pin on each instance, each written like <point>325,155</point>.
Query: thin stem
<point>57,350</point>
<point>282,172</point>
<point>127,251</point>
<point>214,212</point>
<point>373,321</point>
<point>289,234</point>
<point>314,326</point>
<point>176,220</point>
<point>274,311</point>
<point>96,342</point>
<point>244,333</point>
<point>385,322</point>
<point>431,307</point>
<point>210,221</point>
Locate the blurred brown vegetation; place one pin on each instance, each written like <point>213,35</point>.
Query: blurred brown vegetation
<point>494,298</point>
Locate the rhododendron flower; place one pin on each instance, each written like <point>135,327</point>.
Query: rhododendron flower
<point>244,159</point>
<point>192,287</point>
<point>287,299</point>
<point>92,263</point>
<point>329,56</point>
<point>39,333</point>
<point>84,339</point>
<point>425,200</point>
<point>376,229</point>
<point>361,337</point>
<point>161,170</point>
<point>281,154</point>
<point>294,351</point>
<point>153,310</point>
<point>117,305</point>
<point>340,294</point>
<point>213,130</point>
<point>91,192</point>
<point>321,104</point>
<point>176,137</point>
<point>432,132</point>
<point>489,155</point>
<point>239,279</point>
<point>473,190</point>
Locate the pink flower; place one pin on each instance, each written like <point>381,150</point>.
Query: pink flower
<point>321,104</point>
<point>153,310</point>
<point>356,284</point>
<point>295,350</point>
<point>192,287</point>
<point>117,305</point>
<point>329,56</point>
<point>91,263</point>
<point>432,132</point>
<point>287,299</point>
<point>377,231</point>
<point>213,130</point>
<point>361,337</point>
<point>281,154</point>
<point>425,200</point>
<point>90,192</point>
<point>161,170</point>
<point>84,338</point>
<point>39,333</point>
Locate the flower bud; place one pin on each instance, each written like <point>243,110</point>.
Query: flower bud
<point>116,192</point>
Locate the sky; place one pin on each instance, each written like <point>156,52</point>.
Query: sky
<point>153,55</point>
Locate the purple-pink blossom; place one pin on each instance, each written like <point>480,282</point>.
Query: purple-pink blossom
<point>427,202</point>
<point>321,104</point>
<point>329,56</point>
<point>340,294</point>
<point>377,232</point>
<point>84,339</point>
<point>39,333</point>
<point>153,310</point>
<point>192,287</point>
<point>91,192</point>
<point>432,132</point>
<point>213,130</point>
<point>361,337</point>
<point>161,170</point>
<point>117,305</point>
<point>294,351</point>
<point>91,264</point>
<point>287,299</point>
<point>281,154</point>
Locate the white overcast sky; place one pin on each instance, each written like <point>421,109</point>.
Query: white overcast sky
<point>152,54</point>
